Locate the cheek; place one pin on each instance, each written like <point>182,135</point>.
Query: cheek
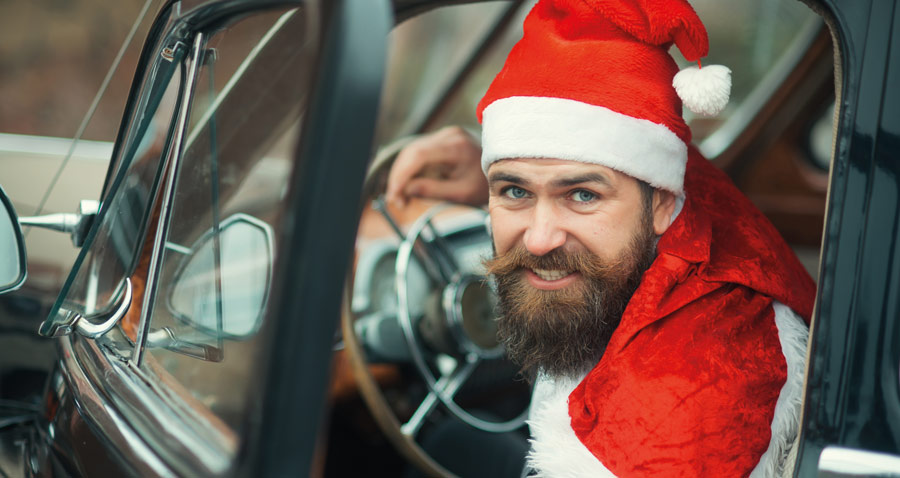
<point>605,238</point>
<point>507,228</point>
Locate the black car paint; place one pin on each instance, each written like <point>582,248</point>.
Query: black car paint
<point>335,147</point>
<point>852,395</point>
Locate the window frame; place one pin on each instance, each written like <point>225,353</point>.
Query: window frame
<point>155,429</point>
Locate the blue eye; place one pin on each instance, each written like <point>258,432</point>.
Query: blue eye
<point>583,196</point>
<point>514,192</point>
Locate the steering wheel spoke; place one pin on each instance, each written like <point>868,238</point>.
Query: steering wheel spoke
<point>436,270</point>
<point>444,390</point>
<point>440,251</point>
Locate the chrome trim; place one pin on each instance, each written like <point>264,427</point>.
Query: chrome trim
<point>87,326</point>
<point>107,422</point>
<point>163,424</point>
<point>447,386</point>
<point>839,462</point>
<point>93,326</point>
<point>162,229</point>
<point>452,304</point>
<point>75,224</point>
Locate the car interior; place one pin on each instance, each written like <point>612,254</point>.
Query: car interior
<point>774,140</point>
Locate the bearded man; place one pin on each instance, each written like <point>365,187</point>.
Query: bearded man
<point>660,314</point>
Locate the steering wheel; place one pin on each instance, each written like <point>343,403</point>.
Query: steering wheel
<point>420,299</point>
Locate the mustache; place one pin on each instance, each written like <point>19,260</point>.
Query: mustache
<point>518,258</point>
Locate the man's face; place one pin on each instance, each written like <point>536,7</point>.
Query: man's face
<point>572,241</point>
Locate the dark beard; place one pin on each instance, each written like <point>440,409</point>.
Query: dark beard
<point>564,332</point>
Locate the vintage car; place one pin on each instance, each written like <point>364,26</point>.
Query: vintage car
<point>245,303</point>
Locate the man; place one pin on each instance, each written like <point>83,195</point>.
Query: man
<point>660,313</point>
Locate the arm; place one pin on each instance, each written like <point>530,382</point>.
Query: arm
<point>445,165</point>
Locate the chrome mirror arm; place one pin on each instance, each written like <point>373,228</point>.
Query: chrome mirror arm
<point>166,338</point>
<point>76,224</point>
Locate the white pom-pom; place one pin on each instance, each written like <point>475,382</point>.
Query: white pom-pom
<point>705,90</point>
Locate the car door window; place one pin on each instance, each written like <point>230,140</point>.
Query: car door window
<point>411,86</point>
<point>221,241</point>
<point>760,42</point>
<point>97,281</point>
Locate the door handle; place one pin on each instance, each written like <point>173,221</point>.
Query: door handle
<point>840,462</point>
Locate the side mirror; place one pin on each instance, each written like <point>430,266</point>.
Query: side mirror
<point>223,285</point>
<point>12,248</point>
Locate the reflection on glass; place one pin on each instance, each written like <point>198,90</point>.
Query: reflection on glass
<point>110,255</point>
<point>206,321</point>
<point>226,300</point>
<point>441,40</point>
<point>750,38</point>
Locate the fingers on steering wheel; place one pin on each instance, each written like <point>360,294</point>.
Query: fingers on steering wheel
<point>410,161</point>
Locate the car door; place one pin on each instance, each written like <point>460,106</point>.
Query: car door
<point>196,326</point>
<point>851,416</point>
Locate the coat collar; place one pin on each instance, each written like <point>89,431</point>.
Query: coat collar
<point>718,239</point>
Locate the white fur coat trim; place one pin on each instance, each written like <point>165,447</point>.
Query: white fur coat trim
<point>793,334</point>
<point>557,452</point>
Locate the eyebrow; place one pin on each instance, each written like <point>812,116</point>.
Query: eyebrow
<point>506,177</point>
<point>580,179</point>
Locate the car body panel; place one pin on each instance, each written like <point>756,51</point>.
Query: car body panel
<point>852,380</point>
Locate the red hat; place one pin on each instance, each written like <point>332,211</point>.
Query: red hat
<point>592,81</point>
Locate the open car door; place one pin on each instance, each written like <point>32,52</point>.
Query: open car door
<point>851,415</point>
<point>197,325</point>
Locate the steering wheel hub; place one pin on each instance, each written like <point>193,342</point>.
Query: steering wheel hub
<point>468,304</point>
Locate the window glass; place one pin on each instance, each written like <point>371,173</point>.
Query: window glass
<point>76,40</point>
<point>96,282</point>
<point>441,40</point>
<point>751,38</point>
<point>227,214</point>
<point>49,79</point>
<point>755,40</point>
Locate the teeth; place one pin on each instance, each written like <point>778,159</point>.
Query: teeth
<point>551,275</point>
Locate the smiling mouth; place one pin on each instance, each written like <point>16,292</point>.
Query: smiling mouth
<point>550,275</point>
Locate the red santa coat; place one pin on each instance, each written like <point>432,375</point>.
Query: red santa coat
<point>703,376</point>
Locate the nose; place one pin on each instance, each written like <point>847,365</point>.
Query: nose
<point>545,233</point>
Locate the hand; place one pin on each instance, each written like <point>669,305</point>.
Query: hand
<point>444,165</point>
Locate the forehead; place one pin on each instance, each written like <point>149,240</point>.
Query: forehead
<point>549,170</point>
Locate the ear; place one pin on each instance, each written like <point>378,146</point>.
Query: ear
<point>663,207</point>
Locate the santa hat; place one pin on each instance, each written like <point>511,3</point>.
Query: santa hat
<point>592,81</point>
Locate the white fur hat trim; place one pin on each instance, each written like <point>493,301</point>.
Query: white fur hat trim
<point>558,128</point>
